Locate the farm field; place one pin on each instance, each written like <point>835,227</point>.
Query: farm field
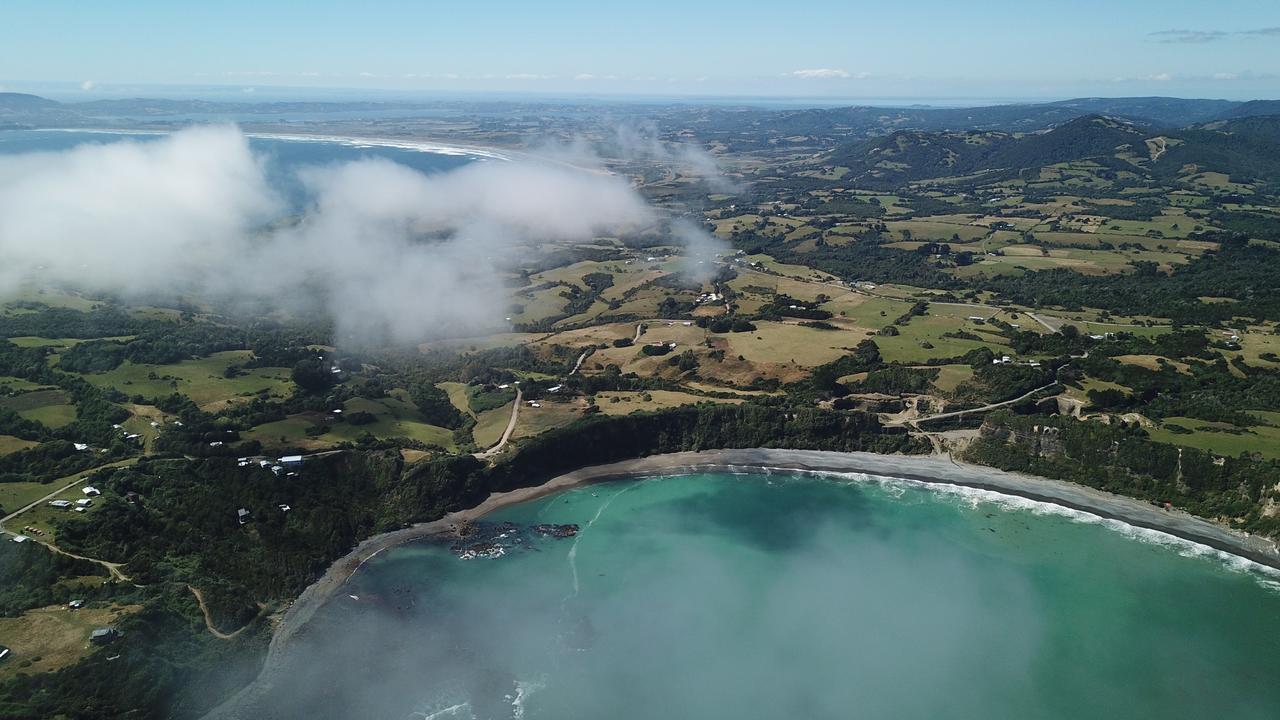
<point>203,380</point>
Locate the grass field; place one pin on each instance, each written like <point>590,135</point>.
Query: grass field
<point>625,403</point>
<point>459,395</point>
<point>785,344</point>
<point>57,636</point>
<point>289,431</point>
<point>397,417</point>
<point>13,384</point>
<point>16,495</point>
<point>537,420</point>
<point>1222,438</point>
<point>11,444</point>
<point>52,408</point>
<point>490,425</point>
<point>201,380</point>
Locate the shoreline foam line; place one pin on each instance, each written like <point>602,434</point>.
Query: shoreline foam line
<point>423,146</point>
<point>930,470</point>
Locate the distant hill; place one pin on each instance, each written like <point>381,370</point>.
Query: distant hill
<point>1247,148</point>
<point>19,110</point>
<point>1253,108</point>
<point>745,129</point>
<point>1161,111</point>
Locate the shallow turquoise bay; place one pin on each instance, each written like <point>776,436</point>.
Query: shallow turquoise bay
<point>762,597</point>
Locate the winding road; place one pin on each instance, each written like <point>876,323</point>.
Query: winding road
<point>984,408</point>
<point>506,434</point>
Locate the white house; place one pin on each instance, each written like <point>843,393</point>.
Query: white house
<point>61,504</point>
<point>80,446</point>
<point>90,491</point>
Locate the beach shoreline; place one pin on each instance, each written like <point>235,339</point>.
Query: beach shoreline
<point>927,470</point>
<point>432,147</point>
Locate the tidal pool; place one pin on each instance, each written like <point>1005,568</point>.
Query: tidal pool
<point>759,596</point>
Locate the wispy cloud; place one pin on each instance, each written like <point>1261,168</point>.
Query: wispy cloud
<point>1207,36</point>
<point>1165,77</point>
<point>819,73</point>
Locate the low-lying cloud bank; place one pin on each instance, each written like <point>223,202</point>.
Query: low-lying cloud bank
<point>392,254</point>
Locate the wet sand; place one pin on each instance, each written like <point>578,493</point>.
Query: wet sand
<point>925,469</point>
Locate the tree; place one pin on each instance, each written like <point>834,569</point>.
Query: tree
<point>434,405</point>
<point>312,375</point>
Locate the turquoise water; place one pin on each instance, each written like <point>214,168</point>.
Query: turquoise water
<point>762,597</point>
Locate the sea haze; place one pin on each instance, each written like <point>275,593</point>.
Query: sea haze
<point>751,597</point>
<point>283,156</point>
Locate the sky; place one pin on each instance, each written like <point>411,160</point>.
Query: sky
<point>846,49</point>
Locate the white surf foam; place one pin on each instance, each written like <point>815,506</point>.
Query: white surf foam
<point>971,497</point>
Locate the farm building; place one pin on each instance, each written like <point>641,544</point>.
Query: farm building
<point>104,635</point>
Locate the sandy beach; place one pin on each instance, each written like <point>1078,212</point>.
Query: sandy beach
<point>924,469</point>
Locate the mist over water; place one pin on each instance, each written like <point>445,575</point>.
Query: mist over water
<point>745,597</point>
<point>393,245</point>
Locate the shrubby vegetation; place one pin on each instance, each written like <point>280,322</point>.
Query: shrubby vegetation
<point>1120,458</point>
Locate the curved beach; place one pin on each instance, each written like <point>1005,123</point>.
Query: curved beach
<point>923,469</point>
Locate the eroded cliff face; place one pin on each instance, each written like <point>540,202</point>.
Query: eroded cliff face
<point>1040,440</point>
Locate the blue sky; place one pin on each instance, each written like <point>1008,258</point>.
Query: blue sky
<point>825,48</point>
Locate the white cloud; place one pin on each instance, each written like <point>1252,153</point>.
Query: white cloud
<point>819,73</point>
<point>529,76</point>
<point>390,253</point>
<point>87,85</point>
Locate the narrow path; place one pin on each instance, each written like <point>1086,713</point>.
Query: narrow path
<point>208,619</point>
<point>80,477</point>
<point>112,567</point>
<point>506,434</point>
<point>578,364</point>
<point>639,329</point>
<point>956,413</point>
<point>1040,320</point>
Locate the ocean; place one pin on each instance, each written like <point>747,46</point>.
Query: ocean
<point>284,155</point>
<point>752,596</point>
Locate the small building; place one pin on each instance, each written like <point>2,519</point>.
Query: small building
<point>4,652</point>
<point>285,508</point>
<point>60,504</point>
<point>90,491</point>
<point>20,538</point>
<point>555,388</point>
<point>104,636</point>
<point>75,604</point>
<point>84,502</point>
<point>131,497</point>
<point>243,516</point>
<point>80,446</point>
<point>291,460</point>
